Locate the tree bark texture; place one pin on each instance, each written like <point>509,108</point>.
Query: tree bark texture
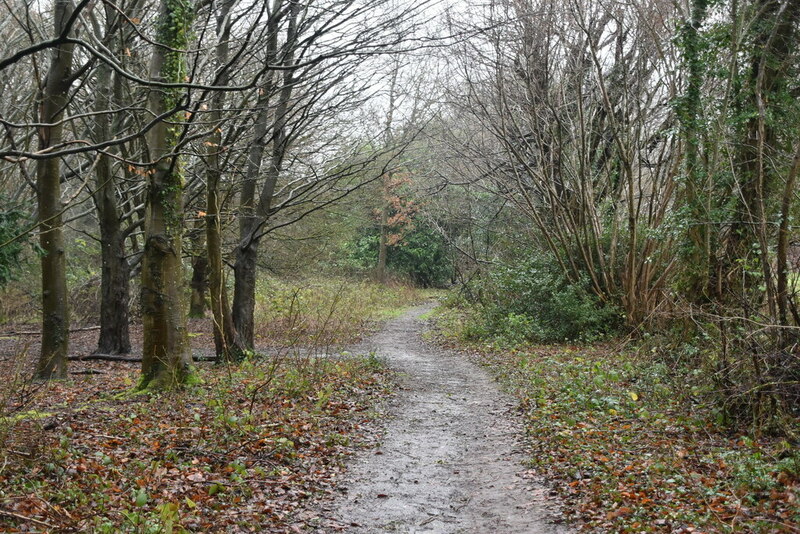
<point>55,312</point>
<point>695,193</point>
<point>115,271</point>
<point>782,253</point>
<point>775,42</point>
<point>253,215</point>
<point>166,358</point>
<point>197,301</point>
<point>199,282</point>
<point>226,339</point>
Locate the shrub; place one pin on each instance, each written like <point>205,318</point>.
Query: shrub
<point>421,255</point>
<point>530,300</point>
<point>12,241</point>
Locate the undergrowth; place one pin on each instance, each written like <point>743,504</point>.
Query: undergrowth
<point>632,446</point>
<point>249,446</point>
<point>531,301</point>
<point>326,312</point>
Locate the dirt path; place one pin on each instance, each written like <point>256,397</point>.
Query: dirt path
<point>451,457</point>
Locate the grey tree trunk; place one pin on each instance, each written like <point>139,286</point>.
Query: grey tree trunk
<point>388,139</point>
<point>199,282</point>
<point>166,359</point>
<point>253,215</point>
<point>226,339</point>
<point>115,271</point>
<point>55,313</point>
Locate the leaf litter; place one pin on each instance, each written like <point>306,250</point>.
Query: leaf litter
<point>631,448</point>
<point>244,451</point>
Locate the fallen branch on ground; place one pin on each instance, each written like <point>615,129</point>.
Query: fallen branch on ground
<point>21,517</point>
<point>121,358</point>
<point>39,332</point>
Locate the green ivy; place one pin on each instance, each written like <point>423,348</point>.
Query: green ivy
<point>11,245</point>
<point>175,32</point>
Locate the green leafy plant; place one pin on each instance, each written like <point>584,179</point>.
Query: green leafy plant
<point>530,300</point>
<point>12,241</point>
<point>421,255</point>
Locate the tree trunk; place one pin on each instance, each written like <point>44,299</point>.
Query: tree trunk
<point>388,140</point>
<point>199,282</point>
<point>384,236</point>
<point>695,191</point>
<point>775,44</point>
<point>115,271</point>
<point>244,293</point>
<point>166,359</point>
<point>782,254</point>
<point>245,269</point>
<point>252,215</point>
<point>197,301</point>
<point>55,313</point>
<point>226,340</point>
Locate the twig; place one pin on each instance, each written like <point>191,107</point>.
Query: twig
<point>120,358</point>
<point>106,436</point>
<point>21,517</point>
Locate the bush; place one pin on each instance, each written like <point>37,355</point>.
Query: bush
<point>531,301</point>
<point>421,255</point>
<point>11,242</point>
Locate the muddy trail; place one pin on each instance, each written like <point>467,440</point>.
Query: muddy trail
<point>450,459</point>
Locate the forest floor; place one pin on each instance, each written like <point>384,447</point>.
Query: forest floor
<point>451,458</point>
<point>243,450</point>
<point>262,447</point>
<point>405,432</point>
<point>632,446</point>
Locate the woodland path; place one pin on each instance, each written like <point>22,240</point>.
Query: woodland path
<point>451,456</point>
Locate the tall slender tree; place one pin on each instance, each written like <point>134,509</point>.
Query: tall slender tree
<point>270,127</point>
<point>52,105</point>
<point>226,340</point>
<point>695,193</point>
<point>166,358</point>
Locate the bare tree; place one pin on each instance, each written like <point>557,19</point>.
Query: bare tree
<point>577,103</point>
<point>166,360</point>
<point>53,102</point>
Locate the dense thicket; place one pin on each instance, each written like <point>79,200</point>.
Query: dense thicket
<point>649,149</point>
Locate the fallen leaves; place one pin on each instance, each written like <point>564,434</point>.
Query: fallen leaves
<point>228,455</point>
<point>629,453</point>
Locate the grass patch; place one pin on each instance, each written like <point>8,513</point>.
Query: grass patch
<point>324,312</point>
<point>247,447</point>
<point>632,448</point>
